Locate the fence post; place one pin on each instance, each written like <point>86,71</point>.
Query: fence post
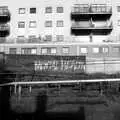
<point>30,88</point>
<point>15,89</point>
<point>19,90</point>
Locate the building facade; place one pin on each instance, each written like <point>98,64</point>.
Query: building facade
<point>61,27</point>
<point>63,20</point>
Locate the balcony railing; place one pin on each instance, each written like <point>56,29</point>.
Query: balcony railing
<point>102,8</point>
<point>4,27</point>
<point>91,9</point>
<point>4,11</point>
<point>2,39</point>
<point>90,25</point>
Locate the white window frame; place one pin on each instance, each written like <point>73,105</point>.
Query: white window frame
<point>118,23</point>
<point>32,24</point>
<point>21,37</point>
<point>12,50</point>
<point>22,10</point>
<point>48,9</point>
<point>96,49</point>
<point>118,8</point>
<point>48,23</point>
<point>32,36</point>
<point>24,50</point>
<point>21,23</point>
<point>105,49</point>
<point>59,38</point>
<point>60,23</point>
<point>33,50</point>
<point>84,50</point>
<point>44,50</point>
<point>116,49</point>
<point>65,50</point>
<point>53,50</point>
<point>48,36</point>
<point>60,9</point>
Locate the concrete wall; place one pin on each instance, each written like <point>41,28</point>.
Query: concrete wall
<point>107,65</point>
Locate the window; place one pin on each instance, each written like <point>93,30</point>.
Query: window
<point>21,24</point>
<point>25,51</point>
<point>60,38</point>
<point>44,50</point>
<point>28,51</point>
<point>59,23</point>
<point>20,37</point>
<point>105,50</point>
<point>118,22</point>
<point>98,8</point>
<point>118,8</point>
<point>21,10</point>
<point>32,36</point>
<point>83,50</point>
<point>116,49</point>
<point>48,38</point>
<point>48,10</point>
<point>33,51</point>
<point>65,50</point>
<point>53,50</point>
<point>48,24</point>
<point>32,24</point>
<point>76,9</point>
<point>32,39</point>
<point>12,50</point>
<point>32,10</point>
<point>59,9</point>
<point>96,50</point>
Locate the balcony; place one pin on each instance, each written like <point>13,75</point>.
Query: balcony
<point>4,14</point>
<point>86,28</point>
<point>2,39</point>
<point>4,30</point>
<point>94,11</point>
<point>4,27</point>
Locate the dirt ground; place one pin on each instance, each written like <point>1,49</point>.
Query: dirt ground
<point>96,106</point>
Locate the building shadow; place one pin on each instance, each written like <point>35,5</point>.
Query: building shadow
<point>80,115</point>
<point>4,103</point>
<point>38,114</point>
<point>4,93</point>
<point>41,104</point>
<point>42,114</point>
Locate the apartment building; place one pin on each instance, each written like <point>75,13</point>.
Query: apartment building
<point>59,21</point>
<point>63,20</point>
<point>4,23</point>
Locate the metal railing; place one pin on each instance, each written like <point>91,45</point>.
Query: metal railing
<point>4,27</point>
<point>93,8</point>
<point>89,24</point>
<point>60,82</point>
<point>4,11</point>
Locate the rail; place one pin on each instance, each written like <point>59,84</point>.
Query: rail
<point>59,82</point>
<point>92,9</point>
